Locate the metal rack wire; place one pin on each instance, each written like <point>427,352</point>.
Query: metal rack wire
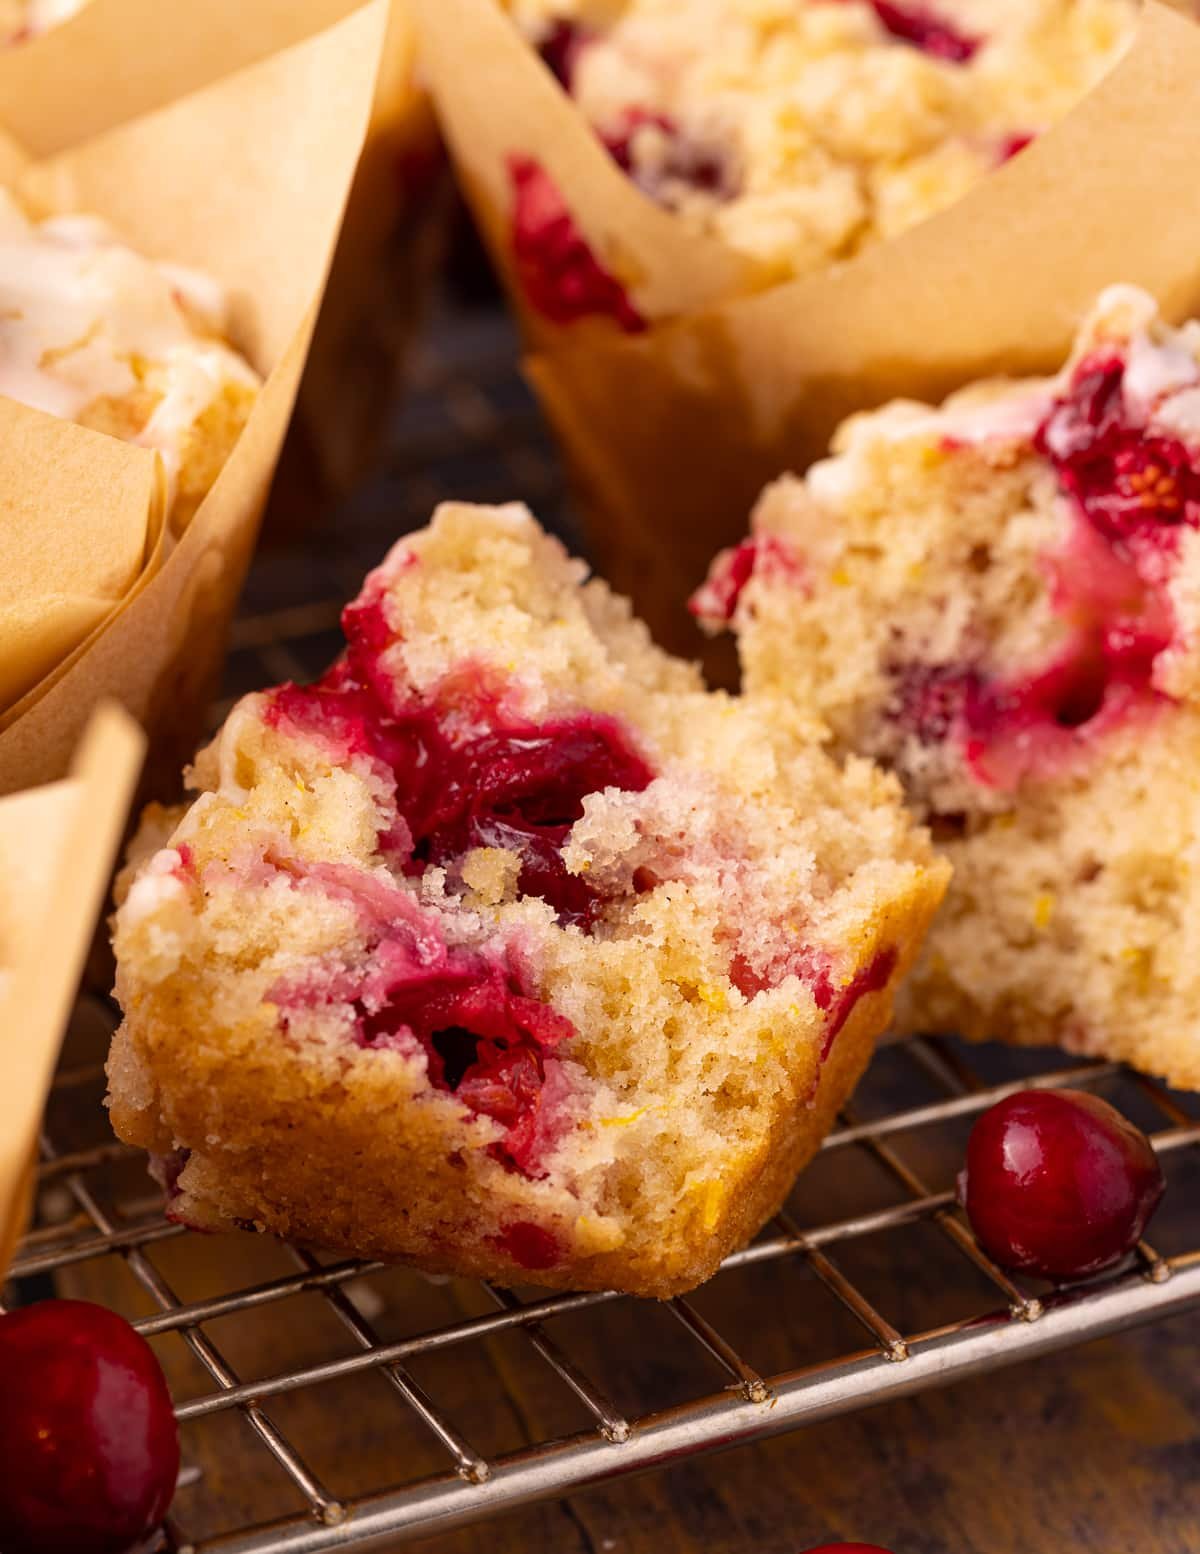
<point>469,429</point>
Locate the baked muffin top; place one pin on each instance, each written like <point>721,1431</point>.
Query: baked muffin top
<point>800,131</point>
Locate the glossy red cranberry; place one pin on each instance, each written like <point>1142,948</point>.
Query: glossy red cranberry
<point>89,1448</point>
<point>1057,1183</point>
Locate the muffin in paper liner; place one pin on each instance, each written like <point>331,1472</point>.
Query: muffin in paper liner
<point>148,55</point>
<point>57,845</point>
<point>96,333</point>
<point>671,427</point>
<point>144,617</point>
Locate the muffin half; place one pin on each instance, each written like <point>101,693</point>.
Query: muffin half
<point>1000,600</point>
<point>506,949</point>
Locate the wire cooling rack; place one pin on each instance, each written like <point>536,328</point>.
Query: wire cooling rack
<point>273,1351</point>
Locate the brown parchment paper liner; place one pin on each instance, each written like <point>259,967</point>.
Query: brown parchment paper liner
<point>391,241</point>
<point>81,520</point>
<point>670,434</point>
<point>57,845</point>
<point>117,60</point>
<point>285,134</point>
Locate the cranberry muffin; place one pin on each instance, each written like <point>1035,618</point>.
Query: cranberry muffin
<point>505,948</point>
<point>98,334</point>
<point>800,131</point>
<point>999,599</point>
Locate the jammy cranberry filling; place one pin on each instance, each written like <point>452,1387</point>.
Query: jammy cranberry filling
<point>523,791</point>
<point>926,31</point>
<point>841,1002</point>
<point>836,1000</point>
<point>559,274</point>
<point>484,1040</point>
<point>1131,492</point>
<point>1135,489</point>
<point>519,787</point>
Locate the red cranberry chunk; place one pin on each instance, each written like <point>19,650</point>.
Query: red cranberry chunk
<point>529,1245</point>
<point>717,597</point>
<point>560,275</point>
<point>926,31</point>
<point>523,791</point>
<point>1135,489</point>
<point>485,1042</point>
<point>1057,1183</point>
<point>519,788</point>
<point>89,1449</point>
<point>1013,145</point>
<point>561,48</point>
<point>841,1002</point>
<point>544,775</point>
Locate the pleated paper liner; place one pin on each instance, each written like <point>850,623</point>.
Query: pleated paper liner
<point>670,434</point>
<point>57,846</point>
<point>117,60</point>
<point>246,180</point>
<point>391,242</point>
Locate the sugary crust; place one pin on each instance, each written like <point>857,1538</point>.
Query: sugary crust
<point>802,132</point>
<point>757,909</point>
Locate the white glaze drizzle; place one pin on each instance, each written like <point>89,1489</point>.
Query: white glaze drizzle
<point>83,317</point>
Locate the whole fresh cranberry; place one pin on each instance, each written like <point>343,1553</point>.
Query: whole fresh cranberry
<point>1057,1183</point>
<point>89,1447</point>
